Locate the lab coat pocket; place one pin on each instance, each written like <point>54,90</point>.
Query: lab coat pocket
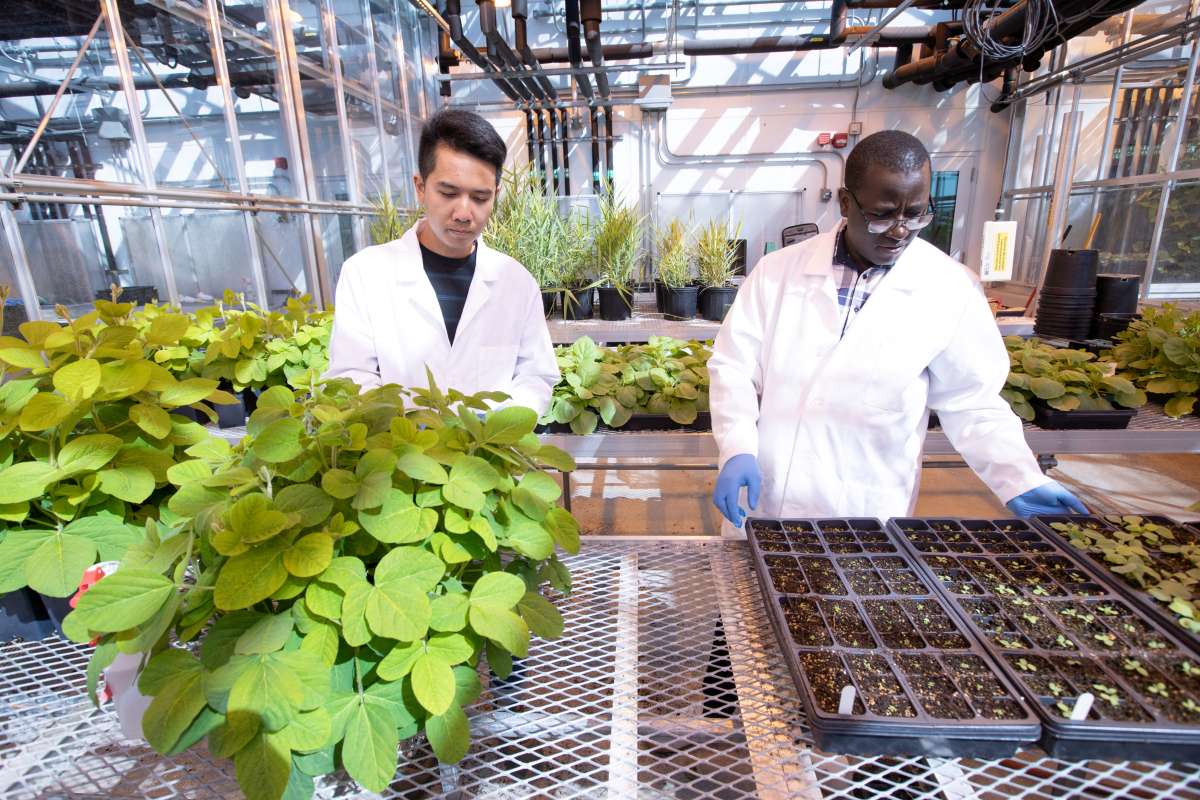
<point>496,366</point>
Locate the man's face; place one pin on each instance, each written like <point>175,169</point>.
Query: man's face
<point>458,196</point>
<point>884,195</point>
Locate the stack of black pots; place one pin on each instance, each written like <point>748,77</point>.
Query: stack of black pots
<point>1068,295</point>
<point>1116,304</point>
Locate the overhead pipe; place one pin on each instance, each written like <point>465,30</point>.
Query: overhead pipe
<point>590,13</point>
<point>596,185</point>
<point>453,17</point>
<point>564,129</point>
<point>552,143</point>
<point>571,52</point>
<point>520,14</point>
<point>541,148</point>
<point>501,54</point>
<point>529,135</point>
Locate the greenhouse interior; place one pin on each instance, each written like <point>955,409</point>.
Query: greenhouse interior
<point>640,399</point>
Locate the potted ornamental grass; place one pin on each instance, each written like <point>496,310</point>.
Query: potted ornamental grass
<point>716,261</point>
<point>676,254</point>
<point>617,245</point>
<point>338,582</point>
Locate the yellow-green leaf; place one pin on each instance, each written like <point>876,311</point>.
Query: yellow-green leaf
<point>152,419</point>
<point>310,555</point>
<point>79,380</point>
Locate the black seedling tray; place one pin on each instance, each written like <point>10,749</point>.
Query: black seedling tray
<point>1052,419</point>
<point>639,422</point>
<point>1159,560</point>
<point>1059,631</point>
<point>848,607</point>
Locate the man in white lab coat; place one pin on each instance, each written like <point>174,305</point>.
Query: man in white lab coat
<point>837,347</point>
<point>438,297</point>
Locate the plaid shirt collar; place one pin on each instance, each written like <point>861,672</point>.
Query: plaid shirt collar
<point>842,257</point>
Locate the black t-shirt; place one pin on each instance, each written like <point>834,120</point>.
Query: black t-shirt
<point>451,279</point>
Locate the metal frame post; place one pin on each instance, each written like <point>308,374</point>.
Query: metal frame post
<point>373,66</point>
<point>221,69</point>
<point>24,275</point>
<point>116,37</point>
<point>291,110</point>
<point>329,26</point>
<point>402,60</point>
<point>1164,199</point>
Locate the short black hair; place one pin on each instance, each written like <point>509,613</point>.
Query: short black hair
<point>896,151</point>
<point>464,131</point>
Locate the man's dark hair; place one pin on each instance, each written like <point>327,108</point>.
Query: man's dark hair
<point>895,151</point>
<point>465,132</point>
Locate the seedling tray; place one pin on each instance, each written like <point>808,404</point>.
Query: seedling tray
<point>639,422</point>
<point>849,608</point>
<point>1165,563</point>
<point>1055,420</point>
<point>1059,631</point>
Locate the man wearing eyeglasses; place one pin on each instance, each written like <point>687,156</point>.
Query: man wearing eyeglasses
<point>836,349</point>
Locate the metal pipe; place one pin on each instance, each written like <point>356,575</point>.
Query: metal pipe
<point>158,202</point>
<point>26,287</point>
<point>454,20</point>
<point>571,52</point>
<point>500,53</point>
<point>520,12</point>
<point>529,136</point>
<point>874,33</point>
<point>1164,199</point>
<point>552,145</point>
<point>541,149</point>
<point>589,13</point>
<point>596,185</point>
<point>566,155</point>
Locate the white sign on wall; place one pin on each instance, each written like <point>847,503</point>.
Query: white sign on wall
<point>999,244</point>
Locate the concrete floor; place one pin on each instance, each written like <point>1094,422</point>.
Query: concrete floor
<point>676,503</point>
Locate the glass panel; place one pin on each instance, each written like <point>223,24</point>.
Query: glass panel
<point>209,254</point>
<point>1178,260</point>
<point>354,50</point>
<point>337,237</point>
<point>88,136</point>
<point>399,148</point>
<point>320,102</point>
<point>944,194</point>
<point>185,125</point>
<point>1126,225</point>
<point>280,239</point>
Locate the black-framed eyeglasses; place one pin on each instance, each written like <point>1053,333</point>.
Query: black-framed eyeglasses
<point>876,225</point>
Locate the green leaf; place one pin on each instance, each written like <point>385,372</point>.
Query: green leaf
<point>528,537</point>
<point>449,612</point>
<point>103,656</point>
<point>369,751</point>
<point>57,566</point>
<point>25,481</point>
<point>453,648</point>
<point>1175,407</point>
<point>322,642</point>
<point>87,453</point>
<point>416,564</point>
<point>78,381</point>
<point>255,519</point>
<point>563,528</point>
<point>205,723</point>
<point>251,577</point>
<point>122,600</point>
<point>270,633</point>
<point>508,425</point>
<point>433,683</point>
<point>420,467</point>
<point>399,521</point>
<point>130,483</point>
<point>279,441</point>
<point>541,616</point>
<point>22,357</point>
<point>554,458</point>
<point>529,503</point>
<point>309,731</point>
<point>268,690</point>
<point>1068,402</point>
<point>173,709</point>
<point>164,668</point>
<point>310,555</point>
<point>399,660</point>
<point>501,626</point>
<point>151,419</point>
<point>222,637</point>
<point>449,734</point>
<point>188,471</point>
<point>306,500</point>
<point>397,610</point>
<point>186,393</point>
<point>498,588</point>
<point>111,535</point>
<point>44,411</point>
<point>354,614</point>
<point>15,550</point>
<point>499,660</point>
<point>264,767</point>
<point>1046,388</point>
<point>474,471</point>
<point>340,484</point>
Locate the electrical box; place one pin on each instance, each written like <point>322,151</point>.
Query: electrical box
<point>999,246</point>
<point>654,92</point>
<point>855,129</point>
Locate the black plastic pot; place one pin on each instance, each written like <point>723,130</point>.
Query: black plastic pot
<point>230,415</point>
<point>549,300</point>
<point>14,315</point>
<point>1107,326</point>
<point>578,304</point>
<point>131,294</point>
<point>662,422</point>
<point>614,304</point>
<point>1052,419</point>
<point>23,616</point>
<point>984,567</point>
<point>250,400</point>
<point>1117,294</point>
<point>818,575</point>
<point>660,290</point>
<point>680,303</point>
<point>715,302</point>
<point>1072,269</point>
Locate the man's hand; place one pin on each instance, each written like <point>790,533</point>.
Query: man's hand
<point>739,471</point>
<point>1050,498</point>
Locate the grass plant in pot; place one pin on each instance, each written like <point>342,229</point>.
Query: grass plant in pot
<point>527,226</point>
<point>389,221</point>
<point>675,255</point>
<point>716,262</point>
<point>578,273</point>
<point>617,246</point>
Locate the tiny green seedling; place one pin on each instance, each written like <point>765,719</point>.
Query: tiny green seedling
<point>1064,642</point>
<point>1190,706</point>
<point>1107,694</point>
<point>1159,689</point>
<point>1025,666</point>
<point>1107,610</point>
<point>1063,709</point>
<point>1154,644</point>
<point>1106,639</point>
<point>1056,689</point>
<point>1133,665</point>
<point>1189,669</point>
<point>1032,619</point>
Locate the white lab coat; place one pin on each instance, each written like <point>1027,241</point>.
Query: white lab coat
<point>838,427</point>
<point>388,326</point>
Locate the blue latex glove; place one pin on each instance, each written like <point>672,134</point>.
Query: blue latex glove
<point>739,471</point>
<point>1050,499</point>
